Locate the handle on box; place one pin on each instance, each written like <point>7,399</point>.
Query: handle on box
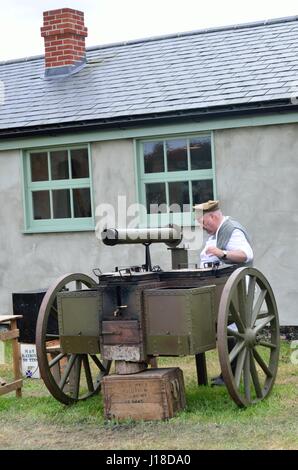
<point>175,388</point>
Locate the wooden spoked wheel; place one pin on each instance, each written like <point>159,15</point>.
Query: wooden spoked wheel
<point>68,377</point>
<point>248,336</point>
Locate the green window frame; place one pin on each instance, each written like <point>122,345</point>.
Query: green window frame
<point>187,179</point>
<point>57,189</point>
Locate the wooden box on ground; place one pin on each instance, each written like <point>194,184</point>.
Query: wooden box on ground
<point>149,395</point>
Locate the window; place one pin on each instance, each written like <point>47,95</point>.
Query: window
<point>58,191</point>
<point>175,174</point>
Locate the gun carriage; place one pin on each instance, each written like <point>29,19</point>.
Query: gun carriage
<point>135,314</point>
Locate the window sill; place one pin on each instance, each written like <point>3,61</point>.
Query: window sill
<point>48,230</point>
<point>82,226</point>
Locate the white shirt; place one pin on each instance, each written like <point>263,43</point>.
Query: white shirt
<point>237,241</point>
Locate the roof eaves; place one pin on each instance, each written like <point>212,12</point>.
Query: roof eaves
<point>122,122</point>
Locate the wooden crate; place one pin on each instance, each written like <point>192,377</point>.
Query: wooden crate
<point>150,395</point>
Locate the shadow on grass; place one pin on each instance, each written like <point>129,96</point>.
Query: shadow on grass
<point>208,400</point>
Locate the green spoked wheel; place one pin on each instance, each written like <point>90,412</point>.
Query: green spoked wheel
<point>248,336</point>
<point>68,377</point>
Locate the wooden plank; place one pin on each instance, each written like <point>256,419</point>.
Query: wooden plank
<point>16,385</point>
<point>124,332</point>
<point>53,349</point>
<point>53,346</point>
<point>151,411</point>
<point>16,356</point>
<point>8,318</point>
<point>10,334</point>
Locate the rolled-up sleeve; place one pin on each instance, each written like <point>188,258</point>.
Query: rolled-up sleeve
<point>238,241</point>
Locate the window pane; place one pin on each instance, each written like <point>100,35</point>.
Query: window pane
<point>79,163</point>
<point>156,194</point>
<point>202,191</point>
<point>153,157</point>
<point>39,166</point>
<point>61,204</point>
<point>41,205</point>
<point>82,202</point>
<point>59,165</point>
<point>177,155</point>
<point>200,153</point>
<point>179,196</point>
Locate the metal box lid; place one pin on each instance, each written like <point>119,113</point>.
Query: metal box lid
<point>120,277</point>
<point>79,313</point>
<point>196,273</point>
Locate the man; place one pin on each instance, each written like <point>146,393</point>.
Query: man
<point>228,243</point>
<point>228,240</point>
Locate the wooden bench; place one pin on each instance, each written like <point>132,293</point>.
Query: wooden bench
<point>12,334</point>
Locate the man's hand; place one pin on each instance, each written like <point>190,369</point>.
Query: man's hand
<point>213,250</point>
<point>235,256</point>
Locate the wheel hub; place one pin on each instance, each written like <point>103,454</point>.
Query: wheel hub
<point>250,337</point>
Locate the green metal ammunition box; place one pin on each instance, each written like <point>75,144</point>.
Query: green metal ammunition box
<point>180,321</point>
<point>79,315</point>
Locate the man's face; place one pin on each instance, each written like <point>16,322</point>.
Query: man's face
<point>208,222</point>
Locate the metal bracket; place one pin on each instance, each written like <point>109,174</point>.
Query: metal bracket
<point>118,310</point>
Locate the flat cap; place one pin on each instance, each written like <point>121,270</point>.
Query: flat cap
<point>208,206</point>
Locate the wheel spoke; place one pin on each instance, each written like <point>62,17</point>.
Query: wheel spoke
<point>262,363</point>
<point>262,315</point>
<point>76,377</point>
<point>250,298</point>
<point>266,344</point>
<point>98,363</point>
<point>234,333</point>
<point>241,290</point>
<point>236,350</point>
<point>263,323</point>
<point>67,371</point>
<point>56,359</point>
<point>246,376</point>
<point>255,377</point>
<point>258,305</point>
<point>236,317</point>
<point>239,366</point>
<point>54,309</point>
<point>88,373</point>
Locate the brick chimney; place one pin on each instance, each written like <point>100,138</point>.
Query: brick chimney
<point>64,35</point>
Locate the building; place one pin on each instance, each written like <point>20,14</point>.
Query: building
<point>172,119</point>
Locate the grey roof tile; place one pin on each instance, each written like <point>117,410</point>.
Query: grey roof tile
<point>277,91</point>
<point>195,70</point>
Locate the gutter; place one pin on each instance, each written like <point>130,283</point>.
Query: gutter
<point>125,122</point>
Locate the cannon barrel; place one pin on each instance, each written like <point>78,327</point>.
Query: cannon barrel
<point>171,235</point>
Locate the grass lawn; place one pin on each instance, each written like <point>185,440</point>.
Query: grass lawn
<point>210,421</point>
